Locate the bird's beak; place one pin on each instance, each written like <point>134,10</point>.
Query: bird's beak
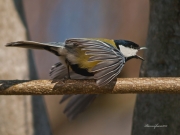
<point>139,57</point>
<point>142,48</point>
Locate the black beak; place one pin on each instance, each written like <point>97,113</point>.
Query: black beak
<point>139,57</point>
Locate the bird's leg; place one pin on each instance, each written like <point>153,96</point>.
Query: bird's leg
<point>67,62</point>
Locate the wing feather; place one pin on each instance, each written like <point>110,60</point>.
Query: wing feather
<point>112,60</point>
<point>108,78</point>
<point>104,65</point>
<point>64,98</point>
<point>102,57</point>
<point>59,71</point>
<point>106,72</point>
<point>78,103</point>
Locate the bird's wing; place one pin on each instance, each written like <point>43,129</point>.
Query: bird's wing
<point>111,59</point>
<point>77,104</point>
<point>59,71</point>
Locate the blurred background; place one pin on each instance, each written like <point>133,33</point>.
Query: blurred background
<point>57,20</point>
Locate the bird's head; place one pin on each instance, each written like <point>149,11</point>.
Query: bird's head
<point>129,49</point>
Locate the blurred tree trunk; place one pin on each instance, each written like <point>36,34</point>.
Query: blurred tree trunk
<point>162,59</point>
<point>40,118</point>
<point>16,111</point>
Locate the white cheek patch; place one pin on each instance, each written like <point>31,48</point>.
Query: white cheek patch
<point>127,52</point>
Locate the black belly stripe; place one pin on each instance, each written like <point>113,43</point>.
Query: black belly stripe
<point>81,71</point>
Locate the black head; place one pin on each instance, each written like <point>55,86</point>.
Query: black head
<point>129,49</point>
<point>126,43</point>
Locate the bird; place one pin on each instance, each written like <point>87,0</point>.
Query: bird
<point>86,58</point>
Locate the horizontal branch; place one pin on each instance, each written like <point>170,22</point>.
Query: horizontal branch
<point>59,87</point>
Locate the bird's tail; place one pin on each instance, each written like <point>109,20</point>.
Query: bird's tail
<point>52,46</point>
<point>77,103</point>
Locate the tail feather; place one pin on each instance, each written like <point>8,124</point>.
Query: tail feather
<point>34,45</point>
<point>52,46</point>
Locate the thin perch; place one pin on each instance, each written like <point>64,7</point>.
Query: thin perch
<point>58,87</point>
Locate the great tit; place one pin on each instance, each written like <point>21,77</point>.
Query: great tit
<point>82,58</point>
